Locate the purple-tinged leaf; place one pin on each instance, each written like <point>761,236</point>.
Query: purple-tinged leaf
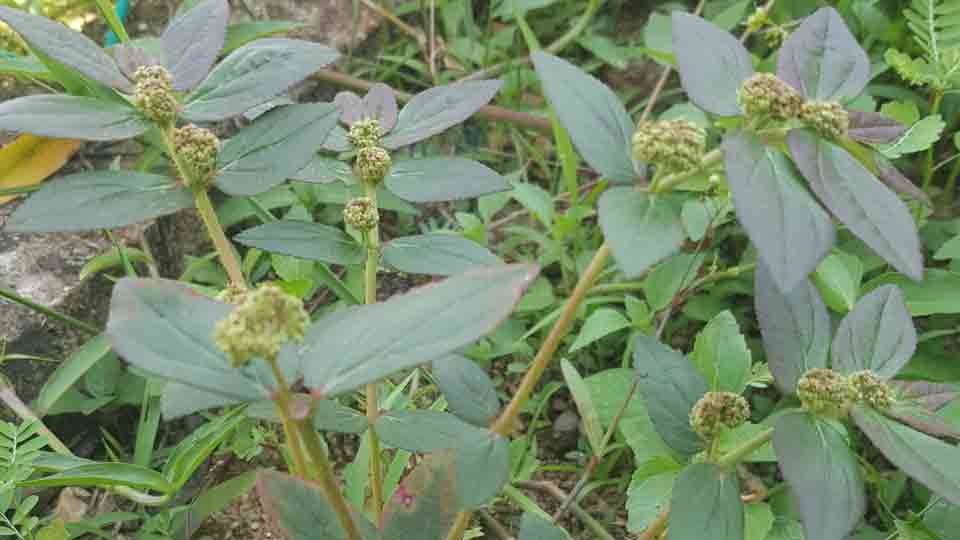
<point>877,335</point>
<point>706,498</point>
<point>927,460</point>
<point>425,505</point>
<point>363,344</point>
<point>301,510</point>
<point>336,140</point>
<point>874,128</point>
<point>71,117</point>
<point>436,179</point>
<point>381,103</point>
<point>823,60</point>
<point>922,419</point>
<point>129,57</point>
<point>933,396</point>
<point>895,180</point>
<point>435,110</point>
<point>790,230</point>
<point>795,327</point>
<point>66,46</point>
<point>193,40</point>
<point>822,473</point>
<point>711,62</point>
<point>852,194</point>
<point>350,106</point>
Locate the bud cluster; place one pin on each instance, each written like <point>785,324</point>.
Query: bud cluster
<point>825,392</point>
<point>233,294</point>
<point>153,94</point>
<point>373,163</point>
<point>197,149</point>
<point>716,412</point>
<point>365,133</point>
<point>265,320</point>
<point>871,390</point>
<point>827,118</point>
<point>765,95</point>
<point>361,214</point>
<point>675,145</point>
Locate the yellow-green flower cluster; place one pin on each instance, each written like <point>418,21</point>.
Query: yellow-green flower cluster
<point>373,163</point>
<point>764,95</point>
<point>871,390</point>
<point>825,392</point>
<point>827,118</point>
<point>361,214</point>
<point>197,149</point>
<point>716,412</point>
<point>674,145</point>
<point>365,133</point>
<point>153,94</point>
<point>265,320</point>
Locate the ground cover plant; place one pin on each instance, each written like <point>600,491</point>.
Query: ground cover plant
<point>761,216</point>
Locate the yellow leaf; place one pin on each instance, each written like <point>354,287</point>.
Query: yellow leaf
<point>30,159</point>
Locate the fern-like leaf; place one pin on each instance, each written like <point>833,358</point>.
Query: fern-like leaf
<point>19,447</point>
<point>935,25</point>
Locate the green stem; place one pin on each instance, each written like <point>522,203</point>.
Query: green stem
<point>373,401</point>
<point>748,447</point>
<point>669,182</point>
<point>951,186</point>
<point>325,477</point>
<point>290,431</point>
<point>928,170</point>
<point>78,324</point>
<point>227,255</point>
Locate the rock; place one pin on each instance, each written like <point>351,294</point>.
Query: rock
<point>325,21</point>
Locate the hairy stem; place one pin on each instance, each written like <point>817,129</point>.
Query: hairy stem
<point>748,447</point>
<point>227,255</point>
<point>289,428</point>
<point>373,402</point>
<point>325,477</point>
<point>669,182</point>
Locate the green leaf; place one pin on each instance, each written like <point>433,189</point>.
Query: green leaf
<point>306,240</point>
<point>534,527</point>
<point>324,170</point>
<point>599,324</point>
<point>302,511</point>
<point>711,62</point>
<point>584,401</point>
<point>23,66</point>
<point>190,453</point>
<point>275,147</point>
<point>328,415</point>
<point>362,344</point>
<point>178,400</point>
<point>66,46</point>
<point>592,115</point>
<point>105,474</point>
<point>822,473</point>
<point>69,372</point>
<point>99,200</point>
<point>254,74</point>
<point>705,498</point>
<point>442,179</point>
<point>670,386</point>
<point>791,231</point>
<point>851,193</point>
<point>433,111</point>
<point>437,254</point>
<point>535,199</point>
<point>647,497</point>
<point>949,250</point>
<point>838,279</point>
<point>212,501</point>
<point>758,522</point>
<point>470,393</point>
<point>192,42</point>
<point>658,39</point>
<point>938,293</point>
<point>795,328</point>
<point>721,355</point>
<point>71,117</point>
<point>641,229</point>
<point>918,137</point>
<point>425,504</point>
<point>822,59</point>
<point>877,335</point>
<point>240,34</point>
<point>670,277</point>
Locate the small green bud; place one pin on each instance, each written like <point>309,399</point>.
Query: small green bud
<point>871,390</point>
<point>153,94</point>
<point>825,392</point>
<point>365,133</point>
<point>197,149</point>
<point>775,36</point>
<point>827,118</point>
<point>675,145</point>
<point>765,96</point>
<point>716,412</point>
<point>757,19</point>
<point>361,214</point>
<point>373,163</point>
<point>257,328</point>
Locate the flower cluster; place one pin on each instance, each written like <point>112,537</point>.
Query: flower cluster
<point>675,145</point>
<point>825,392</point>
<point>365,133</point>
<point>373,163</point>
<point>265,320</point>
<point>361,214</point>
<point>197,149</point>
<point>765,95</point>
<point>153,94</point>
<point>718,411</point>
<point>871,390</point>
<point>828,118</point>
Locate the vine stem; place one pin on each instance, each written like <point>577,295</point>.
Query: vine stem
<point>373,402</point>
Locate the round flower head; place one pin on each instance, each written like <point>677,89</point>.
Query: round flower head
<point>197,149</point>
<point>827,118</point>
<point>265,320</point>
<point>233,294</point>
<point>365,133</point>
<point>675,145</point>
<point>716,412</point>
<point>825,392</point>
<point>373,163</point>
<point>361,214</point>
<point>153,94</point>
<point>871,390</point>
<point>765,96</point>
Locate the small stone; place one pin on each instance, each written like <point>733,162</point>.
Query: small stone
<point>718,411</point>
<point>361,214</point>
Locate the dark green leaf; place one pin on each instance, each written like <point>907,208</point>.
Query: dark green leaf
<point>191,452</point>
<point>592,114</point>
<point>306,240</point>
<point>468,389</point>
<point>443,179</point>
<point>23,66</point>
<point>590,418</point>
<point>425,504</point>
<point>600,324</point>
<point>838,280</point>
<point>791,232</point>
<point>534,527</point>
<point>323,170</point>
<point>795,329</point>
<point>705,498</point>
<point>641,229</point>
<point>877,335</point>
<point>69,372</point>
<point>362,344</point>
<point>859,200</point>
<point>927,460</point>
<point>275,147</point>
<point>711,62</point>
<point>437,254</point>
<point>105,474</point>
<point>254,74</point>
<point>822,59</point>
<point>822,473</point>
<point>99,200</point>
<point>240,34</point>
<point>66,46</point>
<point>178,400</point>
<point>302,511</point>
<point>721,355</point>
<point>939,292</point>
<point>71,117</point>
<point>192,41</point>
<point>670,387</point>
<point>435,110</point>
<point>671,276</point>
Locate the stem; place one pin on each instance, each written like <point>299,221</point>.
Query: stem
<point>951,185</point>
<point>459,526</point>
<point>227,256</point>
<point>326,478</point>
<point>748,447</point>
<point>373,402</point>
<point>671,181</point>
<point>928,170</point>
<point>78,324</point>
<point>289,428</point>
